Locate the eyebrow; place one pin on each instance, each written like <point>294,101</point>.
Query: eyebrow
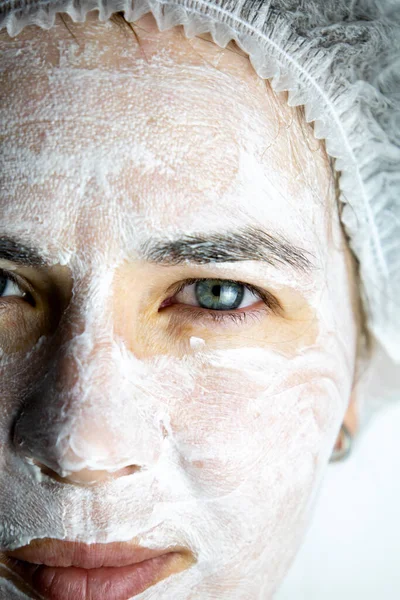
<point>246,244</point>
<point>20,253</point>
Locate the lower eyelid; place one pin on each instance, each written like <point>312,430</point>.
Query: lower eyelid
<point>193,314</point>
<point>17,301</point>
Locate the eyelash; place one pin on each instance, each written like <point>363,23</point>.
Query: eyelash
<point>16,281</point>
<point>198,314</point>
<point>270,302</point>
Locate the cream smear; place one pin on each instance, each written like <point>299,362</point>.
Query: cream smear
<point>196,342</point>
<point>228,427</point>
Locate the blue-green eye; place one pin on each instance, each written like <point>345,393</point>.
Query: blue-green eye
<point>217,294</point>
<point>221,300</point>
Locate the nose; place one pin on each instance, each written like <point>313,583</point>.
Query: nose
<point>91,418</point>
<point>43,452</point>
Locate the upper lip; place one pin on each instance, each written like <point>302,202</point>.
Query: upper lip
<point>57,553</point>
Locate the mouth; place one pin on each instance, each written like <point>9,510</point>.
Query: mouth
<point>57,570</point>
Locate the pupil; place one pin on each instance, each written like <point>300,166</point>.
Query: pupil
<point>216,290</point>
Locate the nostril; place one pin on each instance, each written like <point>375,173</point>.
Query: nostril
<point>47,471</point>
<point>85,476</point>
<point>127,471</point>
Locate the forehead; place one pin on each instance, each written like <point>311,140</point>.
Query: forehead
<point>170,133</point>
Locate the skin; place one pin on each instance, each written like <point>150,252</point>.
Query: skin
<point>248,417</point>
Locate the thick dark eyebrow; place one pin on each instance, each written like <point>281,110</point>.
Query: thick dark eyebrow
<point>247,243</point>
<point>20,253</point>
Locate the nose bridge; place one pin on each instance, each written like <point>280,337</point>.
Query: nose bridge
<point>87,414</point>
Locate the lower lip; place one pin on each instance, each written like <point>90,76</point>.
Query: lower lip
<point>113,583</point>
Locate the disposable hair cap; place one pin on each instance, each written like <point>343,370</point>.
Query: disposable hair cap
<point>339,59</point>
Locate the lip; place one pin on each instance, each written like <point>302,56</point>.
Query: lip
<point>59,570</point>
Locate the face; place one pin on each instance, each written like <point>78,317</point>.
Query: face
<point>176,367</point>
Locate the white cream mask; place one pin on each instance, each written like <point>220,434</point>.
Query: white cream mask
<point>163,427</point>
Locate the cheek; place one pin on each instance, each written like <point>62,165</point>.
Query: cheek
<point>277,427</point>
<point>255,442</point>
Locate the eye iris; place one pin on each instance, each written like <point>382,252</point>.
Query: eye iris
<point>219,295</point>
